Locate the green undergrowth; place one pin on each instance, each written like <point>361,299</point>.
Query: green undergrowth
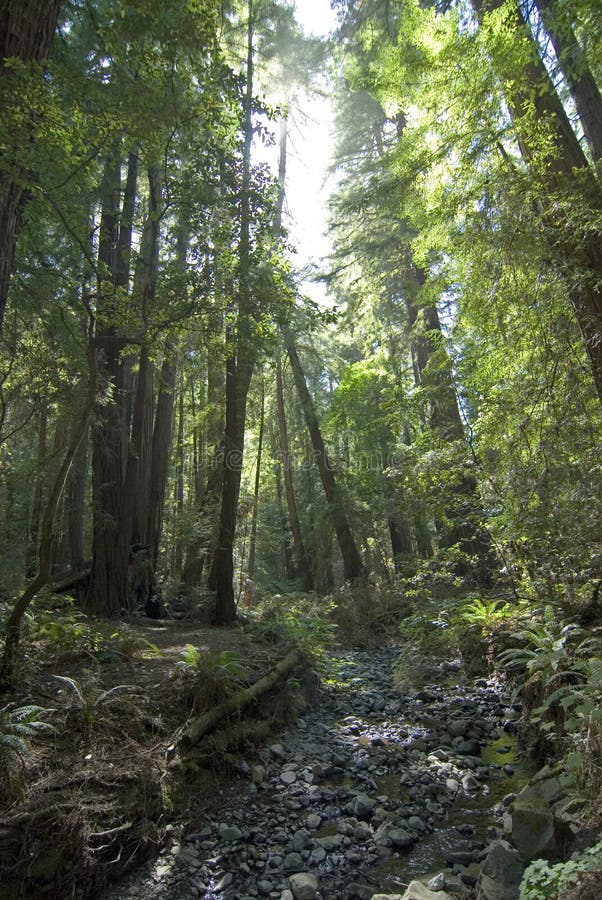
<point>544,880</point>
<point>60,633</point>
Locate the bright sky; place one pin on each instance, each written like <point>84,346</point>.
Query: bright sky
<point>315,16</point>
<point>309,152</point>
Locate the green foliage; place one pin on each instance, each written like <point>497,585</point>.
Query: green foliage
<point>65,633</point>
<point>212,677</point>
<point>18,727</point>
<point>303,620</point>
<point>487,614</point>
<point>548,646</point>
<point>89,701</point>
<point>545,880</point>
<point>562,669</point>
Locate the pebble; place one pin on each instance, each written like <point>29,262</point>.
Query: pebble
<point>368,776</point>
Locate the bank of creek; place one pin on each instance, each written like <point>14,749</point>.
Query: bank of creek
<point>369,790</point>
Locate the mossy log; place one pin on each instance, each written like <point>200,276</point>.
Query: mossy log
<point>206,722</point>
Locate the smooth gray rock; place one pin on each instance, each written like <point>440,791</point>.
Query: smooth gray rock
<point>293,862</point>
<point>229,832</point>
<point>532,829</point>
<point>400,838</point>
<point>501,873</point>
<point>362,806</point>
<point>304,885</point>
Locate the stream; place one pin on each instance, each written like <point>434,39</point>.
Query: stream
<point>371,789</point>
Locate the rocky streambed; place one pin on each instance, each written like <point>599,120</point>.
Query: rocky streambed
<point>371,789</point>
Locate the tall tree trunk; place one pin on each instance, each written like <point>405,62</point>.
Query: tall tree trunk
<point>303,566</point>
<point>287,562</point>
<point>109,579</point>
<point>76,496</point>
<point>137,480</point>
<point>582,84</point>
<point>160,449</point>
<point>352,563</point>
<point>25,34</point>
<point>38,491</point>
<point>239,370</point>
<point>253,535</point>
<point>568,173</point>
<point>179,481</point>
<point>13,624</point>
<point>437,380</point>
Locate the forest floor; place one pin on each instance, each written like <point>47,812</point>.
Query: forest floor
<point>100,790</point>
<point>352,789</point>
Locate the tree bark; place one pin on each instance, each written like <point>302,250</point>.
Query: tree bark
<point>253,535</point>
<point>13,625</point>
<point>301,559</point>
<point>160,449</point>
<point>239,370</point>
<point>26,34</point>
<point>109,579</point>
<point>352,563</point>
<point>206,722</point>
<point>568,173</point>
<point>38,491</point>
<point>582,85</point>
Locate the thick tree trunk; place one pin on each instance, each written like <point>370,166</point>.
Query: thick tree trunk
<point>109,579</point>
<point>303,566</point>
<point>75,504</point>
<point>38,491</point>
<point>239,370</point>
<point>582,85</point>
<point>179,482</point>
<point>13,624</point>
<point>253,535</point>
<point>434,374</point>
<point>568,173</point>
<point>160,450</point>
<point>27,28</point>
<point>137,480</point>
<point>352,562</point>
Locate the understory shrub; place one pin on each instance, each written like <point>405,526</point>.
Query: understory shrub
<point>543,880</point>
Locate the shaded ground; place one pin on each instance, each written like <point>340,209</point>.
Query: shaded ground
<point>93,796</point>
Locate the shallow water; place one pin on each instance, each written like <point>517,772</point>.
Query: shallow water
<point>428,856</point>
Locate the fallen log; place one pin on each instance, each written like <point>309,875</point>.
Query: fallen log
<point>206,722</point>
<point>67,580</point>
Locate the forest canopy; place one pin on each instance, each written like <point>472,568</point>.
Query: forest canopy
<point>178,418</point>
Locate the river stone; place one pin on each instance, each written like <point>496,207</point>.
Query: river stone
<point>313,821</point>
<point>292,862</point>
<point>501,873</point>
<point>229,832</point>
<point>417,891</point>
<point>532,828</point>
<point>547,784</point>
<point>437,882</point>
<point>288,777</point>
<point>400,838</point>
<point>318,855</point>
<point>458,727</point>
<point>286,895</point>
<point>300,840</point>
<point>362,806</point>
<point>357,891</point>
<point>304,885</point>
<point>362,831</point>
<point>468,748</point>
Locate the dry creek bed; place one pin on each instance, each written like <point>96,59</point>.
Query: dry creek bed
<point>370,789</point>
